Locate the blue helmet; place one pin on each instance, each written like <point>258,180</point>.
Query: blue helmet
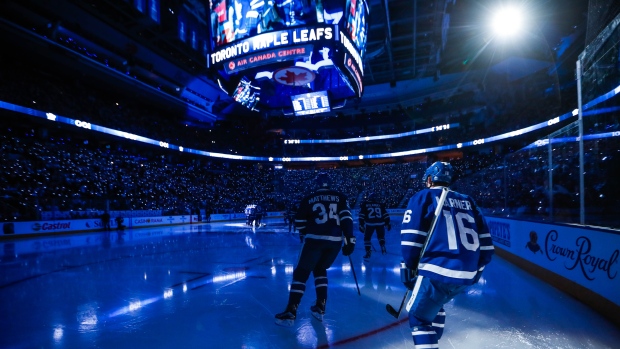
<point>440,172</point>
<point>322,180</point>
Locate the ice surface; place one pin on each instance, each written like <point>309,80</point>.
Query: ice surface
<point>219,285</point>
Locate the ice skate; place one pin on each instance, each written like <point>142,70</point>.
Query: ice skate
<point>318,310</point>
<point>287,317</point>
<point>367,255</point>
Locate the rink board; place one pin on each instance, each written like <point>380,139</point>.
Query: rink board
<point>586,256</point>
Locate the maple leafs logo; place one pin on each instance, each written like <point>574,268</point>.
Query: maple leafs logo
<point>293,79</point>
<point>294,76</point>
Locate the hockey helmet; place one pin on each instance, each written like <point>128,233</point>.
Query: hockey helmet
<point>440,172</point>
<point>322,180</point>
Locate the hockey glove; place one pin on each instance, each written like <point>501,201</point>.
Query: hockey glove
<point>407,276</point>
<point>409,285</point>
<point>349,246</point>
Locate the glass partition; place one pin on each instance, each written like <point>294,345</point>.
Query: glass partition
<point>541,181</point>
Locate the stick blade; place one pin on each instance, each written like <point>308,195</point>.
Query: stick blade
<point>390,309</point>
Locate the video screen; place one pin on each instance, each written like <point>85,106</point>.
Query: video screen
<point>232,20</point>
<point>246,94</point>
<point>356,26</point>
<point>310,103</point>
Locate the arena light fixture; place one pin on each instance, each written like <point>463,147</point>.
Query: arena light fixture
<point>508,21</point>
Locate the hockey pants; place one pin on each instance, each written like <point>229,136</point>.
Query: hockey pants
<point>315,258</point>
<point>426,313</point>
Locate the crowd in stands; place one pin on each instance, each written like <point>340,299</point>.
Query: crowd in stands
<point>47,169</point>
<point>54,168</point>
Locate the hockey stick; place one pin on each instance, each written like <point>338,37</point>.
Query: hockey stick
<point>390,309</point>
<point>354,276</point>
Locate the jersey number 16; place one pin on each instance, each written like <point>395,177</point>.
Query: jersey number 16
<point>463,231</point>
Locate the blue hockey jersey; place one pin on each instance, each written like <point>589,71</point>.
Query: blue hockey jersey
<point>460,246</point>
<point>373,213</point>
<point>324,216</point>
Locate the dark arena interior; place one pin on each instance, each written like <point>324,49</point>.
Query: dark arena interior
<point>145,110</point>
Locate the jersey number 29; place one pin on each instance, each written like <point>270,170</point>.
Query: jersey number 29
<point>374,212</point>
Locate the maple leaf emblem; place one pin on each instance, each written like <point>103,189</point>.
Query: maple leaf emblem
<point>294,79</point>
<point>294,76</point>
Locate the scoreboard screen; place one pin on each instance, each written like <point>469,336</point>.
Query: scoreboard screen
<point>233,20</point>
<point>355,16</point>
<point>265,51</point>
<point>310,103</point>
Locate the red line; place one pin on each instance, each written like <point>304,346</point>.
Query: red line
<point>363,335</point>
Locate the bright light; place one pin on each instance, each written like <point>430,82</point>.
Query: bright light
<point>229,277</point>
<point>168,293</point>
<point>135,305</point>
<point>346,267</point>
<point>58,332</point>
<point>507,21</point>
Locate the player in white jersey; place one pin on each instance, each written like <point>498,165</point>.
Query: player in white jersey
<point>444,261</point>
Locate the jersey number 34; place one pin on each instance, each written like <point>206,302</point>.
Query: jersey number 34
<point>324,215</point>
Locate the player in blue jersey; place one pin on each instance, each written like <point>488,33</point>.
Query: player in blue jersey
<point>324,221</point>
<point>373,218</point>
<point>456,253</point>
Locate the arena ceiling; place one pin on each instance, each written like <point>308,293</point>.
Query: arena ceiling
<point>407,39</point>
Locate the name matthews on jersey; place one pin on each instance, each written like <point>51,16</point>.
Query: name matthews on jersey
<point>324,198</point>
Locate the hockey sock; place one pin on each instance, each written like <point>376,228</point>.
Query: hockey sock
<point>439,322</point>
<point>320,285</point>
<point>424,337</point>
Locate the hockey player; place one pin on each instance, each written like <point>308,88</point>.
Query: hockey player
<point>269,19</point>
<point>250,214</point>
<point>289,217</point>
<point>105,221</point>
<point>242,7</point>
<point>324,221</point>
<point>258,215</point>
<point>457,251</point>
<point>373,217</point>
<point>223,22</point>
